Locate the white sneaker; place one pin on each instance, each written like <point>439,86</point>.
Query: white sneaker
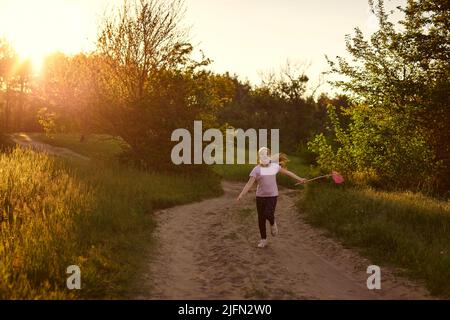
<point>262,243</point>
<point>274,229</point>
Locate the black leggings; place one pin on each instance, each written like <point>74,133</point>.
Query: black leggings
<point>266,210</point>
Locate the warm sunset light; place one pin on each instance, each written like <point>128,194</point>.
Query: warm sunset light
<point>240,150</point>
<point>37,28</point>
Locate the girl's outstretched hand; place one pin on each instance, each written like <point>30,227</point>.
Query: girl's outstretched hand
<point>301,181</point>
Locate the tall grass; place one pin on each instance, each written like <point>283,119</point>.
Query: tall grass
<point>56,213</point>
<point>39,201</point>
<point>408,230</point>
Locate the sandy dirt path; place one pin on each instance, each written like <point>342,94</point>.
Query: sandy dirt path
<point>24,140</point>
<point>207,250</point>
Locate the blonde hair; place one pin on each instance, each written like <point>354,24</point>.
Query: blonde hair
<point>281,158</point>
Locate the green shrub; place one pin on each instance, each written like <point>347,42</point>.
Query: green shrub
<point>380,149</point>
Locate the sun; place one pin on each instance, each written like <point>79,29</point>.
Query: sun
<point>37,28</point>
<point>35,52</point>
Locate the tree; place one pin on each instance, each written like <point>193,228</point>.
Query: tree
<point>7,58</point>
<point>146,82</point>
<point>399,82</point>
<point>280,102</point>
<point>14,83</point>
<point>68,89</point>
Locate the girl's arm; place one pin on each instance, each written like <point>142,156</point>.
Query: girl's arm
<point>292,175</point>
<point>246,188</point>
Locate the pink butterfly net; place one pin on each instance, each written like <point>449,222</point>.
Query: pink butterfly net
<point>337,178</point>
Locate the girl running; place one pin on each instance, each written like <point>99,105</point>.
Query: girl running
<point>267,190</point>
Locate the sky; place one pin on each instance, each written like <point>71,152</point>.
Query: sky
<point>244,37</point>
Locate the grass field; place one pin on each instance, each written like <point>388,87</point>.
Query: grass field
<point>404,229</point>
<point>96,215</point>
<point>96,146</point>
<point>107,204</point>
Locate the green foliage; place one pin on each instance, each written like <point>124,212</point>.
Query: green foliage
<point>276,104</point>
<point>406,229</point>
<point>48,120</point>
<point>147,83</point>
<point>379,149</point>
<point>397,132</point>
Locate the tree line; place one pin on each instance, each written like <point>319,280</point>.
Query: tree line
<point>388,128</point>
<point>141,83</point>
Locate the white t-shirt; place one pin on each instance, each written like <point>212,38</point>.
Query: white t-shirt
<point>266,177</point>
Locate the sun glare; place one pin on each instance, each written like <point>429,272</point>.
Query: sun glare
<point>38,28</point>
